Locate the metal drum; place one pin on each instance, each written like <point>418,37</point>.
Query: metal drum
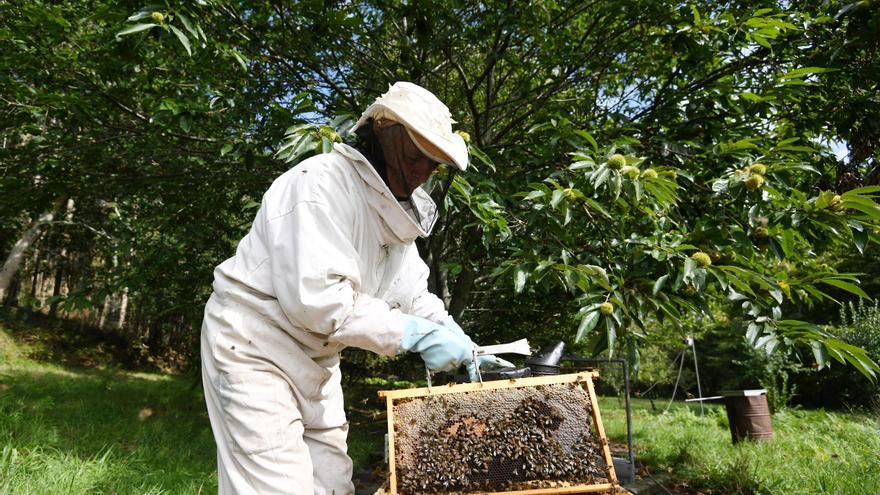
<point>748,414</point>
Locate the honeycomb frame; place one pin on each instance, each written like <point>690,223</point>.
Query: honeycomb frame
<point>548,486</point>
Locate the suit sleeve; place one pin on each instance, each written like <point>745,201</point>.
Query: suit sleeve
<point>316,277</point>
<point>419,301</point>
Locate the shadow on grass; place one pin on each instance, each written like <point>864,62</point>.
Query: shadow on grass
<point>74,344</point>
<point>86,426</point>
<point>152,430</point>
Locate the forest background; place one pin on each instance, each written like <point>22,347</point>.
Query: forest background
<point>643,171</point>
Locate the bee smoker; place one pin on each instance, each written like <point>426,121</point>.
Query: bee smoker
<point>544,363</point>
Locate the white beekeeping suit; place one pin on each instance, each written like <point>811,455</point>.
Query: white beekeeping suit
<point>329,262</point>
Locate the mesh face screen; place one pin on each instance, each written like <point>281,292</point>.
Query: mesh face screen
<point>497,440</point>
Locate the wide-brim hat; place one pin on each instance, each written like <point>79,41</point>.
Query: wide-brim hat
<point>426,119</point>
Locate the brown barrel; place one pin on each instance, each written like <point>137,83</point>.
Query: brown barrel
<point>749,417</point>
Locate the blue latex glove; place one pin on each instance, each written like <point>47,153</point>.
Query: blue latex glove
<point>441,348</point>
<point>488,362</point>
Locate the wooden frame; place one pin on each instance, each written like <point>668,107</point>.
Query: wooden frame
<point>585,377</point>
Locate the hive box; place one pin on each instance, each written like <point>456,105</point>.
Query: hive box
<point>538,435</point>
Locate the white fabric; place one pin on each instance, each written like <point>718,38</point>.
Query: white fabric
<point>420,111</point>
<point>270,438</point>
<point>328,263</point>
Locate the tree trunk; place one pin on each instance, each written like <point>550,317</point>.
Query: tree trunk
<point>36,274</point>
<point>12,297</point>
<point>461,292</point>
<point>61,261</point>
<point>105,310</point>
<point>154,338</point>
<point>123,309</point>
<point>16,256</point>
<point>56,286</point>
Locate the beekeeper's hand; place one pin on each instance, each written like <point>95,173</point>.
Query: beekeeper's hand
<point>487,362</point>
<point>442,348</point>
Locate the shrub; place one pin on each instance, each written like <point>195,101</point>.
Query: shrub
<point>841,385</point>
<point>775,373</point>
<point>860,325</point>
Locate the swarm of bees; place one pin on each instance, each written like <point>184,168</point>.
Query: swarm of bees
<point>498,440</point>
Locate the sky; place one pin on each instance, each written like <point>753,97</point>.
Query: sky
<point>839,148</point>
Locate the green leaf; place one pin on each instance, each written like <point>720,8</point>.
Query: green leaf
<point>601,176</point>
<point>611,333</point>
<point>777,295</point>
<point>534,195</point>
<point>818,294</point>
<point>185,123</point>
<point>183,39</point>
<point>761,40</point>
<point>805,71</point>
<point>589,138</point>
<point>618,185</point>
<point>557,196</point>
<point>188,25</point>
<point>659,284</point>
<point>846,286</point>
<point>482,157</point>
<point>806,168</point>
<point>689,266</point>
<point>752,333</point>
<point>594,205</point>
<point>819,353</point>
<point>143,14</point>
<point>242,61</point>
<point>722,279</point>
<point>685,247</point>
<point>292,141</point>
<point>860,237</point>
<point>862,190</point>
<point>777,248</point>
<point>740,284</point>
<point>787,243</point>
<point>736,296</point>
<point>747,95</point>
<point>742,144</point>
<point>597,271</point>
<point>588,323</point>
<point>135,29</point>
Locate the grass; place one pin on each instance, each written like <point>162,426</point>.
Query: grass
<point>812,452</point>
<point>86,426</point>
<point>69,429</point>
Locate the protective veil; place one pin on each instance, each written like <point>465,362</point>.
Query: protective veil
<point>328,263</point>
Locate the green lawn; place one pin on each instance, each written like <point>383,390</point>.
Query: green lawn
<point>68,430</point>
<point>812,452</point>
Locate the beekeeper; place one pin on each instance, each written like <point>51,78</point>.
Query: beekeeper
<point>329,263</point>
